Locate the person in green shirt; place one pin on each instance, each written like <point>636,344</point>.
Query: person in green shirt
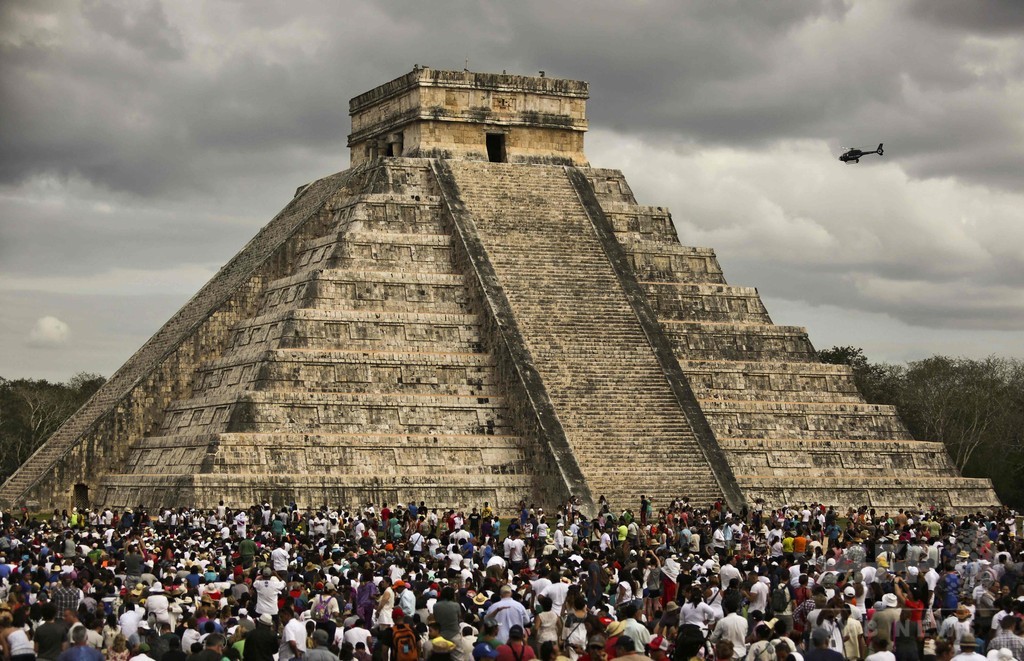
<point>247,550</point>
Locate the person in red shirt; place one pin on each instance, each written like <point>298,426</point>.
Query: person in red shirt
<point>516,648</point>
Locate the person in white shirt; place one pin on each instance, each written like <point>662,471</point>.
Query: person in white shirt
<point>759,594</point>
<point>129,621</point>
<point>279,559</point>
<point>967,646</point>
<point>727,572</point>
<point>267,590</point>
<point>293,636</point>
<point>157,604</point>
<point>557,592</point>
<point>732,627</point>
<point>357,634</point>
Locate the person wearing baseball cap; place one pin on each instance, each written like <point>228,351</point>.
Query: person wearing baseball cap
<point>657,649</point>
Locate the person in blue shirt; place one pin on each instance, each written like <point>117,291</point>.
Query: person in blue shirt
<point>80,650</point>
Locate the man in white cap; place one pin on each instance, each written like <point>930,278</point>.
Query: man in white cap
<point>261,644</point>
<point>850,598</point>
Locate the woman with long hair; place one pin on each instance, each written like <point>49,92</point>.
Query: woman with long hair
<point>119,649</point>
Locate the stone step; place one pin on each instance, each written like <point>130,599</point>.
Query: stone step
<point>334,412</point>
<point>370,290</point>
<point>802,420</point>
<point>795,407</point>
<point>763,380</point>
<point>655,261</point>
<point>469,374</point>
<point>856,456</point>
<point>610,187</point>
<point>674,301</point>
<point>382,253</point>
<point>700,340</point>
<point>361,454</point>
<point>351,328</point>
<point>950,493</point>
<point>443,490</point>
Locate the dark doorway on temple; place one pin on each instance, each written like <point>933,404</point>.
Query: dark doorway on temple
<point>496,148</point>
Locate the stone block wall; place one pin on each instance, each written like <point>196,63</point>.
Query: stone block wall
<point>447,114</point>
<point>130,404</point>
<point>363,373</point>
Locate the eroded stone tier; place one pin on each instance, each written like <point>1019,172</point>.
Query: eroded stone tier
<point>363,368</point>
<point>793,429</point>
<point>358,371</point>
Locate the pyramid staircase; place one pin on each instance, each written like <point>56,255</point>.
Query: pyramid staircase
<point>615,404</point>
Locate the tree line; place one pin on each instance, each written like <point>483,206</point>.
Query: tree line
<point>31,410</point>
<point>974,407</point>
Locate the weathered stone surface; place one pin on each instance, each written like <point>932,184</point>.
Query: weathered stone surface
<point>448,114</point>
<point>437,327</point>
<point>794,430</point>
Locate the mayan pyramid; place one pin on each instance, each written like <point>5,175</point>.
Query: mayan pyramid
<point>471,313</point>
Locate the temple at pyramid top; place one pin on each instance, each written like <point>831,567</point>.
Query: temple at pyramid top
<point>500,118</point>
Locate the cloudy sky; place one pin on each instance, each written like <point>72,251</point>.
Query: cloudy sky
<point>142,143</point>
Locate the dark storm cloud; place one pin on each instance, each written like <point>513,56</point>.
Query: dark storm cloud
<point>998,16</point>
<point>151,139</point>
<point>111,92</point>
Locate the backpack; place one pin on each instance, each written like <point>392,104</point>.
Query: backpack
<point>405,644</point>
<point>779,600</point>
<point>320,608</point>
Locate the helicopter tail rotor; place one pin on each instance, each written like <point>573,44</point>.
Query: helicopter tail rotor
<point>880,149</point>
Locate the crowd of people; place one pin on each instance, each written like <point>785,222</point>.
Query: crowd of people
<point>410,582</point>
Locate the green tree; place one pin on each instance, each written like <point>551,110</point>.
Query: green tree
<point>974,407</point>
<point>32,410</point>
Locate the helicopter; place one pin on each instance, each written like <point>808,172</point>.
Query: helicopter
<point>853,155</point>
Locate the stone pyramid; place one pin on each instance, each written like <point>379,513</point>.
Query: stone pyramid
<point>471,313</point>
